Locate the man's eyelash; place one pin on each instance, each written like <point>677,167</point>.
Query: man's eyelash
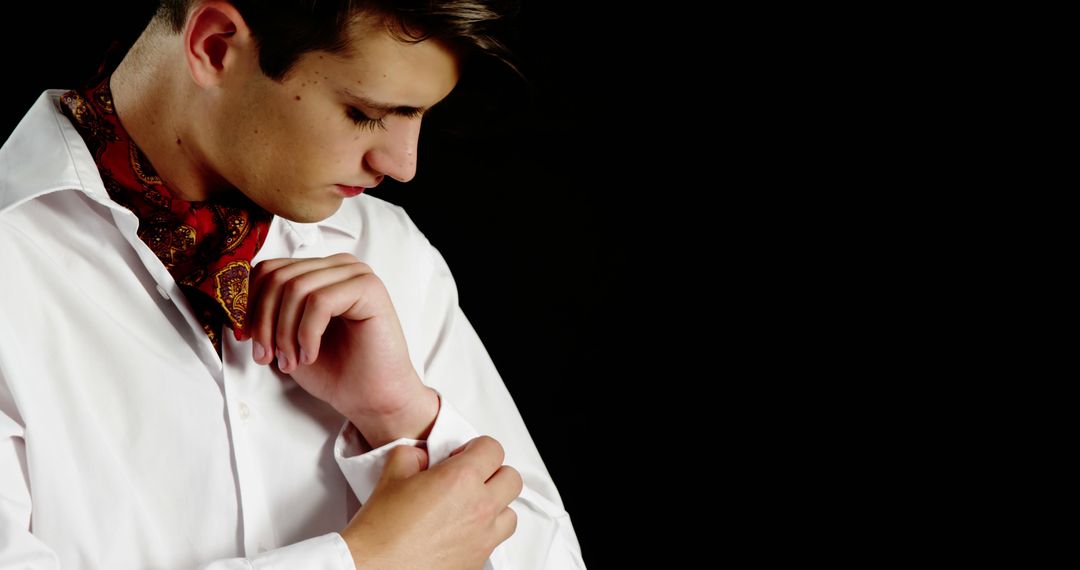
<point>357,116</point>
<point>362,120</point>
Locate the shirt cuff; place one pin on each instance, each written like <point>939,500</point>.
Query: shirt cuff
<point>326,552</point>
<point>362,465</point>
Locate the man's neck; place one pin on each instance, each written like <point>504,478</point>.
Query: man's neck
<point>151,103</point>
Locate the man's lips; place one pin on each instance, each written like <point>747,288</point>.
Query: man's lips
<point>350,191</point>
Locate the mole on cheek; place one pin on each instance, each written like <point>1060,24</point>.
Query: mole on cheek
<point>297,97</point>
<point>178,140</point>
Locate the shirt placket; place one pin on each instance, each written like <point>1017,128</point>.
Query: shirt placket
<point>245,417</point>
<point>241,386</point>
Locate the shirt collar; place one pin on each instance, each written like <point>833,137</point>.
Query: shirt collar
<point>346,220</point>
<point>45,154</point>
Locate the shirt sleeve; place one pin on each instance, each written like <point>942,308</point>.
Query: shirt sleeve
<point>326,552</point>
<point>18,547</point>
<point>473,401</point>
<point>362,465</point>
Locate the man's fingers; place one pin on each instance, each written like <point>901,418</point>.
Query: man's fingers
<point>506,524</point>
<point>265,292</point>
<point>263,299</point>
<point>485,455</point>
<point>404,462</point>
<point>258,276</point>
<point>506,484</point>
<point>482,453</point>
<point>308,302</point>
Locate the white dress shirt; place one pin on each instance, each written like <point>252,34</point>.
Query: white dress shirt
<point>126,442</point>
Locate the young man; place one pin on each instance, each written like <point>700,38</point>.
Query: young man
<point>215,351</point>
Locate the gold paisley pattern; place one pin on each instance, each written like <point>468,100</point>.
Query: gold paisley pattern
<point>172,244</point>
<point>237,226</point>
<point>142,168</point>
<point>231,286</point>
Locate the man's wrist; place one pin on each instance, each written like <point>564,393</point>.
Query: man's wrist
<point>413,421</point>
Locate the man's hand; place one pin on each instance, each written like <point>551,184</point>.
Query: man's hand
<point>449,517</point>
<point>330,323</point>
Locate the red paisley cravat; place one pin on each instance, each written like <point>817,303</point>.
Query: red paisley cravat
<point>206,246</point>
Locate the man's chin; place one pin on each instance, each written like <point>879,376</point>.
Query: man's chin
<point>309,215</point>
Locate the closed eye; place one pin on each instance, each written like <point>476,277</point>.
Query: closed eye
<point>363,121</point>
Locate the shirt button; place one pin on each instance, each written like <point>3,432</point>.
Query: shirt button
<point>161,291</point>
<point>245,412</point>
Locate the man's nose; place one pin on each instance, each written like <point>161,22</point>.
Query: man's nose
<point>395,153</point>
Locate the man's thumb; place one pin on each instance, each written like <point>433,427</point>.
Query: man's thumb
<point>405,461</point>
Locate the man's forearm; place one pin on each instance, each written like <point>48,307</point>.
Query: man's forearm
<point>414,421</point>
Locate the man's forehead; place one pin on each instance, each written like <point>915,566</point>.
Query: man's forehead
<point>383,69</point>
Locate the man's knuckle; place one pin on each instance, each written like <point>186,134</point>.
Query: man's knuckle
<point>277,279</point>
<point>318,302</point>
<point>492,445</point>
<point>269,266</point>
<point>293,286</point>
<point>515,475</point>
<point>344,256</point>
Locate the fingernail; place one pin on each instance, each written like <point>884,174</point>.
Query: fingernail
<point>304,356</point>
<point>281,360</point>
<point>258,351</point>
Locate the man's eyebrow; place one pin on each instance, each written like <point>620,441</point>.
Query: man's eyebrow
<point>388,108</point>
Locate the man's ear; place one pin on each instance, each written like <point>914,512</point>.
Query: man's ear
<point>216,42</point>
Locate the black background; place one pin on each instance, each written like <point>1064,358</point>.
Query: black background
<point>540,195</point>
